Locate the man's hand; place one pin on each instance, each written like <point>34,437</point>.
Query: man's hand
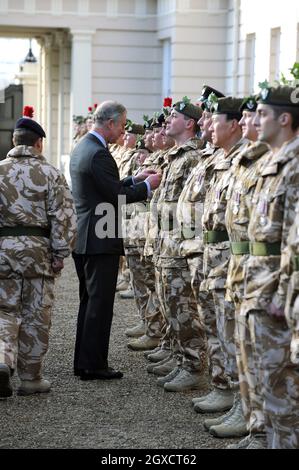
<point>144,175</point>
<point>295,351</point>
<point>57,265</point>
<point>154,180</point>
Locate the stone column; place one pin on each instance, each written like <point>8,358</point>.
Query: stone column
<point>81,71</point>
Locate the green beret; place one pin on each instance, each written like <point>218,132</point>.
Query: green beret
<point>229,106</point>
<point>78,119</point>
<point>140,145</point>
<point>249,103</point>
<point>207,90</point>
<point>134,128</point>
<point>188,109</point>
<point>279,96</point>
<point>148,123</point>
<point>158,120</point>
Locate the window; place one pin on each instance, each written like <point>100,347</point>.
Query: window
<point>250,64</point>
<point>166,80</point>
<point>275,55</point>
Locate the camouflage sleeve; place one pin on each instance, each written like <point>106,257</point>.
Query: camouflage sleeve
<point>62,217</point>
<point>292,301</point>
<point>291,198</point>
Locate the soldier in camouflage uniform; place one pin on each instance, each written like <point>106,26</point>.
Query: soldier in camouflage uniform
<point>189,214</point>
<point>140,276</point>
<point>267,271</point>
<point>187,366</point>
<point>226,134</point>
<point>127,165</point>
<point>292,302</point>
<point>241,187</point>
<point>37,230</point>
<point>144,268</point>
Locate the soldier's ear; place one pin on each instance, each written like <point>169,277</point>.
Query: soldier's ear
<point>39,144</point>
<point>285,119</point>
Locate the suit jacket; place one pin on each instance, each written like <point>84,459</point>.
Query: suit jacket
<point>96,187</point>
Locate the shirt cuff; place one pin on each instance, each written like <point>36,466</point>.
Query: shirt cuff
<point>149,191</point>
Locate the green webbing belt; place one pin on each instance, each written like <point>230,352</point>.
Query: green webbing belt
<point>296,263</point>
<point>215,236</point>
<point>21,230</point>
<point>239,248</point>
<point>264,249</point>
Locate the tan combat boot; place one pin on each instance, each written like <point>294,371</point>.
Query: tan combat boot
<point>159,355</point>
<point>151,351</point>
<point>164,369</point>
<point>186,380</point>
<point>136,331</point>
<point>127,294</point>
<point>216,400</point>
<point>253,441</point>
<point>208,423</point>
<point>150,368</point>
<point>122,285</point>
<point>29,387</point>
<point>233,426</point>
<point>168,378</point>
<point>143,343</point>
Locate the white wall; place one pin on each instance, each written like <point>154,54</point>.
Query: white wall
<point>260,17</point>
<point>198,34</point>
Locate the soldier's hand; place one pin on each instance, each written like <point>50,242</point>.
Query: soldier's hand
<point>144,175</point>
<point>154,180</point>
<point>57,265</point>
<point>295,351</point>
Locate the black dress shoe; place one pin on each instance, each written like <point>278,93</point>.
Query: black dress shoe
<point>102,374</point>
<point>77,372</point>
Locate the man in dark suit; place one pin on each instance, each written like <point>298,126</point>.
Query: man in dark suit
<point>97,191</point>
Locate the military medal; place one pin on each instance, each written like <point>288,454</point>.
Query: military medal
<point>235,209</point>
<point>263,220</point>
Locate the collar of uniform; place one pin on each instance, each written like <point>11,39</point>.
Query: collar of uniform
<point>24,151</point>
<point>208,151</point>
<point>288,151</point>
<point>253,152</point>
<point>225,161</point>
<point>192,144</point>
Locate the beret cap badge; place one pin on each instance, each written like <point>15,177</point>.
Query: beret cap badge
<point>265,93</point>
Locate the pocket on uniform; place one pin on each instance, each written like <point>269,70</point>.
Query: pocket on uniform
<point>173,186</point>
<point>5,267</point>
<point>48,291</point>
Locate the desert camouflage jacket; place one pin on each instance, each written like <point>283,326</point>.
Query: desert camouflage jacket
<point>181,161</point>
<point>34,193</point>
<point>241,187</point>
<point>191,201</point>
<point>273,212</point>
<point>216,255</point>
<point>135,214</point>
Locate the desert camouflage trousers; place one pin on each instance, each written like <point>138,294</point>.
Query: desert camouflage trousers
<point>247,355</point>
<point>185,328</point>
<point>165,341</point>
<point>143,282</point>
<point>225,320</point>
<point>279,379</point>
<point>206,311</point>
<point>25,320</point>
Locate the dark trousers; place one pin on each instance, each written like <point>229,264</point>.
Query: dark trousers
<point>97,276</point>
